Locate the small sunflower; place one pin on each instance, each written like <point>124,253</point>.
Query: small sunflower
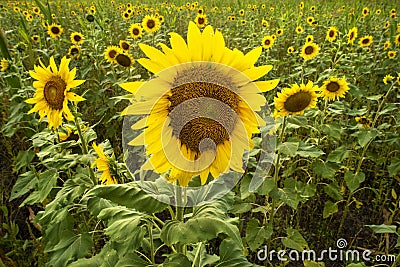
<point>312,8</point>
<point>301,5</point>
<point>365,12</point>
<point>267,42</point>
<point>111,52</point>
<point>391,54</point>
<point>135,30</point>
<point>90,17</point>
<point>74,51</point>
<point>124,45</point>
<point>365,41</point>
<point>241,12</point>
<point>201,20</point>
<point>365,121</point>
<point>387,45</point>
<point>54,30</point>
<point>387,78</point>
<point>299,29</point>
<point>309,39</point>
<point>378,12</point>
<point>77,38</point>
<point>309,51</point>
<point>126,15</point>
<point>310,20</point>
<point>4,65</point>
<point>352,35</point>
<point>331,34</point>
<point>35,38</point>
<point>103,164</point>
<point>334,88</point>
<point>243,21</point>
<point>296,99</point>
<point>279,32</point>
<point>53,91</point>
<point>151,24</point>
<point>125,60</point>
<point>290,50</point>
<point>264,23</point>
<point>397,39</point>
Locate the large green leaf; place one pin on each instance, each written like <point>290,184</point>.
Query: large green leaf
<point>207,222</point>
<point>231,255</point>
<point>25,182</point>
<point>338,155</point>
<point>353,181</point>
<point>325,169</point>
<point>294,240</point>
<point>177,260</point>
<point>129,195</point>
<point>255,235</point>
<point>69,250</point>
<point>383,229</point>
<point>366,135</point>
<point>394,167</point>
<point>47,180</point>
<point>288,148</point>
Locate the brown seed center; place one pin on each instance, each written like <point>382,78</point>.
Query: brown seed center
<point>135,31</point>
<point>200,21</point>
<point>331,33</point>
<point>54,92</point>
<point>77,38</point>
<point>297,102</point>
<point>309,50</point>
<point>55,30</point>
<point>125,46</point>
<point>151,24</point>
<point>332,87</point>
<point>123,60</point>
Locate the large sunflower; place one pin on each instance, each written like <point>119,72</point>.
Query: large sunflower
<point>199,107</point>
<point>52,91</point>
<point>54,30</point>
<point>111,52</point>
<point>309,50</point>
<point>296,99</point>
<point>352,35</point>
<point>334,88</point>
<point>151,24</point>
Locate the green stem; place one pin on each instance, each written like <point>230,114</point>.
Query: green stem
<point>346,208</point>
<point>197,254</point>
<point>84,148</point>
<point>149,225</point>
<point>276,172</point>
<point>180,208</point>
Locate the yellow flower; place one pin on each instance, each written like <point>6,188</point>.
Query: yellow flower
<point>365,12</point>
<point>309,51</point>
<point>331,34</point>
<point>387,78</point>
<point>77,38</point>
<point>135,30</point>
<point>151,24</point>
<point>74,51</point>
<point>334,88</point>
<point>54,30</point>
<point>365,41</point>
<point>103,164</point>
<point>53,91</point>
<point>111,52</point>
<point>392,54</point>
<point>201,20</point>
<point>296,99</point>
<point>352,35</point>
<point>124,45</point>
<point>125,60</point>
<point>267,42</point>
<point>365,121</point>
<point>195,123</point>
<point>290,50</point>
<point>386,45</point>
<point>299,29</point>
<point>4,65</point>
<point>397,39</point>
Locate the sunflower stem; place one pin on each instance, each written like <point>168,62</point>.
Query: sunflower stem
<point>84,146</point>
<point>346,208</point>
<point>180,208</point>
<point>150,227</point>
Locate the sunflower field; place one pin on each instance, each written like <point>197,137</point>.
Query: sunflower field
<point>207,133</point>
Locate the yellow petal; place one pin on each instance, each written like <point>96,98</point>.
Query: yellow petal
<point>53,65</point>
<point>265,86</point>
<point>150,65</point>
<point>131,87</point>
<point>194,42</point>
<point>179,47</point>
<point>207,40</point>
<point>257,72</point>
<point>138,140</point>
<point>74,97</point>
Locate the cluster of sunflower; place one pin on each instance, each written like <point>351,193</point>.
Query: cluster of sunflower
<point>120,54</point>
<point>296,99</point>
